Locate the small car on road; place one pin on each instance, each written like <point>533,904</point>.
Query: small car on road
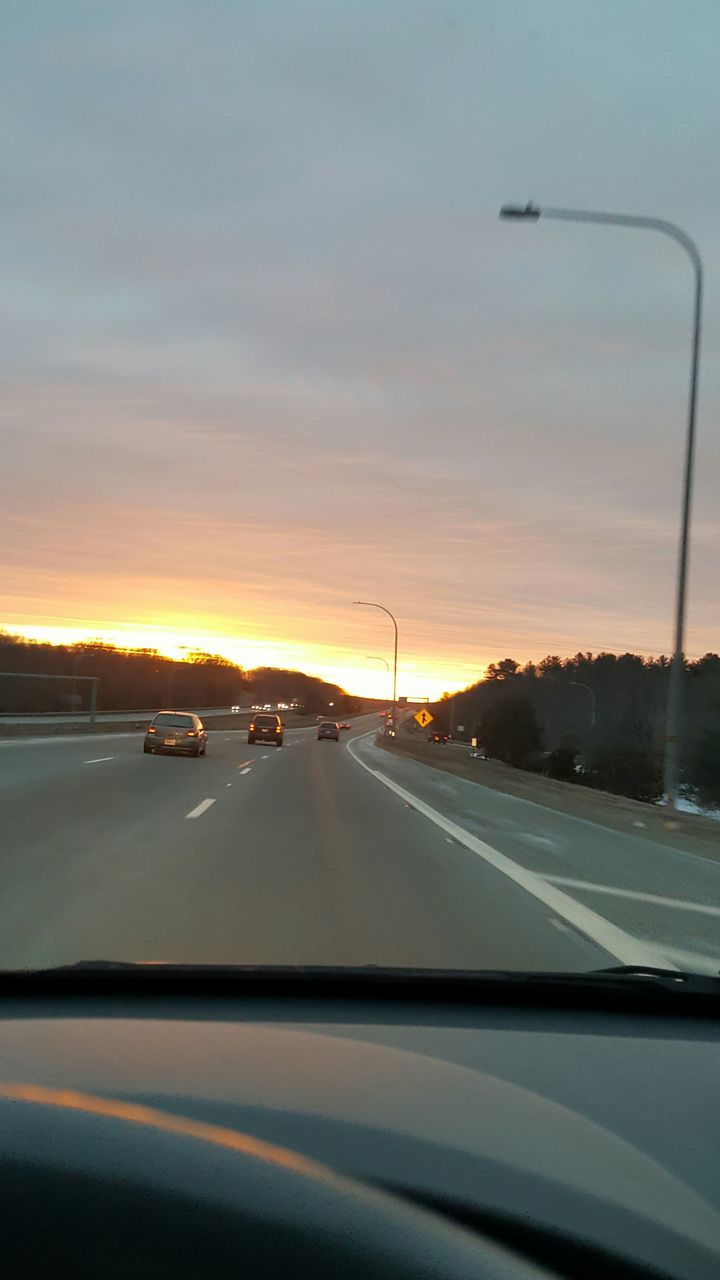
<point>175,732</point>
<point>442,738</point>
<point>328,729</point>
<point>265,727</point>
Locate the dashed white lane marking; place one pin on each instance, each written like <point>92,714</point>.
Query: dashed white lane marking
<point>655,899</point>
<point>200,808</point>
<point>99,760</point>
<point>228,784</point>
<point>243,763</point>
<point>610,937</point>
<point>244,770</point>
<point>265,757</point>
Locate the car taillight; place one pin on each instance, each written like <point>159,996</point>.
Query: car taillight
<point>151,730</point>
<point>252,728</point>
<point>277,728</point>
<point>191,733</point>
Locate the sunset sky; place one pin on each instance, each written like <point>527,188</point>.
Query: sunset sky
<point>266,348</point>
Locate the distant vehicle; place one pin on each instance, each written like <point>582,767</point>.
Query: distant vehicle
<point>345,726</point>
<point>442,738</point>
<point>176,732</point>
<point>267,706</point>
<point>256,707</point>
<point>282,706</point>
<point>235,709</point>
<point>328,729</point>
<point>266,729</point>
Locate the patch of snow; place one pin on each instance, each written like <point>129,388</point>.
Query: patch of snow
<point>686,804</point>
<point>692,806</point>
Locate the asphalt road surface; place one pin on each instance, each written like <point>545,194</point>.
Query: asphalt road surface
<point>322,853</point>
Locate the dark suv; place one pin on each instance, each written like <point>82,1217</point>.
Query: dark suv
<point>328,729</point>
<point>265,728</point>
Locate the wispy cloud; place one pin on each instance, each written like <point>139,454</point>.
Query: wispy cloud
<point>265,345</point>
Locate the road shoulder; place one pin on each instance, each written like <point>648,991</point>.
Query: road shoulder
<point>685,832</point>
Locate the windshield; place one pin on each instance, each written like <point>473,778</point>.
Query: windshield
<point>360,368</point>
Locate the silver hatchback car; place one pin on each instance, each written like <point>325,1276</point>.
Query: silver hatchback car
<point>176,731</point>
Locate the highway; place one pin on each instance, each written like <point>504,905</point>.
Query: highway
<point>322,853</point>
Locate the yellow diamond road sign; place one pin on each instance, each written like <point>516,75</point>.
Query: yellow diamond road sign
<point>423,718</point>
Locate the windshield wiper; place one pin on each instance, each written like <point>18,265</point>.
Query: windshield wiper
<point>636,985</point>
<point>648,971</point>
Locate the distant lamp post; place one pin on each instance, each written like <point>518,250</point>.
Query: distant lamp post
<point>375,657</point>
<point>531,213</point>
<point>593,702</point>
<point>370,604</point>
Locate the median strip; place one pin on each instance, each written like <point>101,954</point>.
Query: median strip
<point>200,809</point>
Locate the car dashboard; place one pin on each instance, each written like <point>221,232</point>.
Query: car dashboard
<point>580,1137</point>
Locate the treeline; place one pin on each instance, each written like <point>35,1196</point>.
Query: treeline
<point>273,684</point>
<point>134,679</point>
<point>598,719</point>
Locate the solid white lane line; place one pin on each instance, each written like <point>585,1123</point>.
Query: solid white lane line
<point>615,941</point>
<point>244,770</point>
<point>99,760</point>
<point>692,961</point>
<point>200,808</point>
<point>655,899</point>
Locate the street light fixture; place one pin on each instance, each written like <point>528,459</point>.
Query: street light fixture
<point>531,213</point>
<point>370,604</point>
<point>376,657</point>
<point>593,702</point>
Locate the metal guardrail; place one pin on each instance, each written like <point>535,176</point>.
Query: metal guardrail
<point>93,681</point>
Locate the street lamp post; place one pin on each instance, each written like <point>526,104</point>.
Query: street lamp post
<point>593,702</point>
<point>375,657</point>
<point>372,605</point>
<point>673,727</point>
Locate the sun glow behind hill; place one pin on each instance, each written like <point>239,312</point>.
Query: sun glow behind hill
<point>338,666</point>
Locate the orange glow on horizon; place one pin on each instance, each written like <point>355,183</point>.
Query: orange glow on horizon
<point>337,666</point>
